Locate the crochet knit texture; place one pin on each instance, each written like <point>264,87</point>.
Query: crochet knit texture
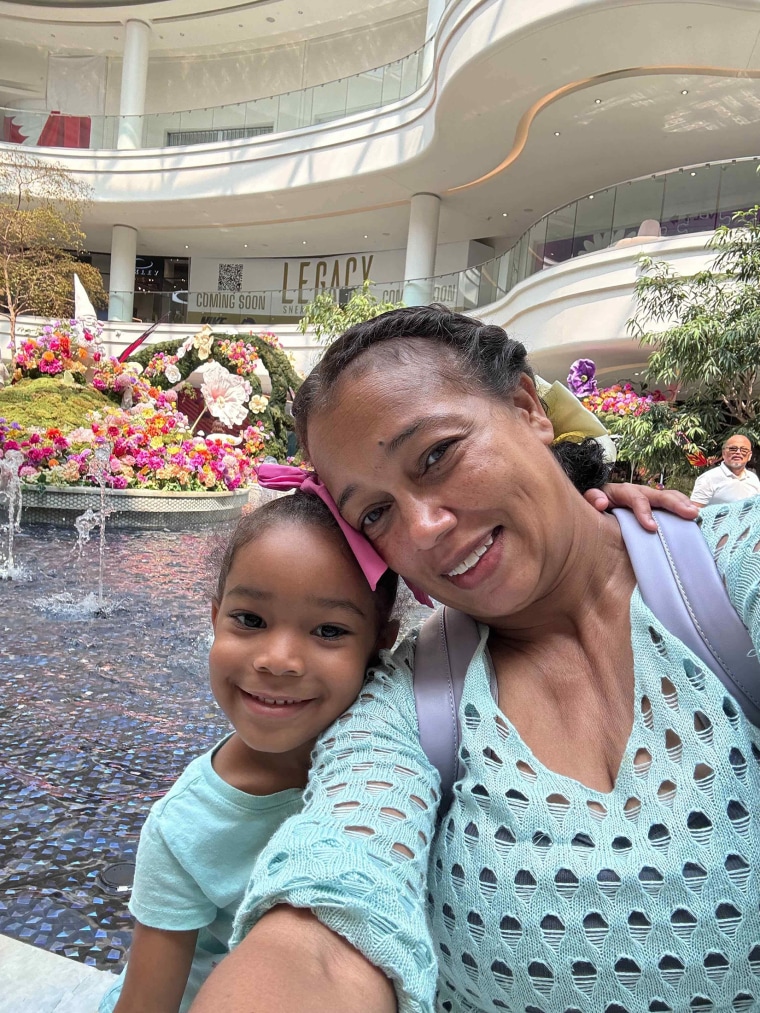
<point>541,894</point>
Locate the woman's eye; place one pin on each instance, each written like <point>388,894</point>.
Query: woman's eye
<point>372,517</point>
<point>329,632</point>
<point>249,620</point>
<point>437,453</point>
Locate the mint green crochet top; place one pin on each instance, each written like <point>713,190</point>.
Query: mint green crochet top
<point>535,893</point>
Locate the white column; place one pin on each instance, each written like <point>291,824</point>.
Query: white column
<point>134,78</point>
<point>121,292</point>
<point>420,249</point>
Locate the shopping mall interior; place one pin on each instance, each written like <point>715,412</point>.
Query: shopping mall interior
<point>510,159</point>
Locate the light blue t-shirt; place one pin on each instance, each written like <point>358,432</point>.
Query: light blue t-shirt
<point>197,848</point>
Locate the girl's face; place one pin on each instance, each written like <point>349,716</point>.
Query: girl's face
<point>293,634</point>
<point>456,490</point>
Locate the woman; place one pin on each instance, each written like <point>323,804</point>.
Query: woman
<point>601,849</point>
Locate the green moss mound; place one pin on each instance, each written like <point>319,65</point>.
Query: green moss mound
<point>48,402</point>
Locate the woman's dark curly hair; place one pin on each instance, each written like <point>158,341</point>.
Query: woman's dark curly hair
<point>483,359</point>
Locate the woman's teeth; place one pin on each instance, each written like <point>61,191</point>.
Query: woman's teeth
<point>472,559</point>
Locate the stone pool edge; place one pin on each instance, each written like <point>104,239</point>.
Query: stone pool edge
<point>33,980</point>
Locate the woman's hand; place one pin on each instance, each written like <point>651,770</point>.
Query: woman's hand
<point>641,499</point>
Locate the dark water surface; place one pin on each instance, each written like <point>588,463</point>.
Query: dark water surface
<point>98,716</point>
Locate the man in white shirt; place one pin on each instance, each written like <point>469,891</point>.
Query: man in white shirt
<point>731,480</point>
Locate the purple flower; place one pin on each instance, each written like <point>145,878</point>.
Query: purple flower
<point>580,379</point>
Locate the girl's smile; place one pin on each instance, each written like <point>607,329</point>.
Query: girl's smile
<point>292,635</point>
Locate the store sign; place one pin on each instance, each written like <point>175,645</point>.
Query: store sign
<point>234,291</point>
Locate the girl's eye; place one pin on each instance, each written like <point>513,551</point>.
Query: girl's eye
<point>328,632</point>
<point>249,620</point>
<point>437,453</point>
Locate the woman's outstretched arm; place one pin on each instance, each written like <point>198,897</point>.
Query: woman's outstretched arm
<point>291,962</point>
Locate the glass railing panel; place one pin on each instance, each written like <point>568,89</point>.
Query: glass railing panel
<point>329,101</point>
<point>739,189</point>
<point>593,230</point>
<point>560,231</point>
<point>410,74</point>
<point>536,243</point>
<point>262,116</point>
<point>365,91</point>
<point>392,74</point>
<point>488,287</point>
<point>637,203</point>
<point>502,272</point>
<point>447,289</point>
<point>229,120</point>
<point>295,110</point>
<point>162,130</point>
<point>690,203</point>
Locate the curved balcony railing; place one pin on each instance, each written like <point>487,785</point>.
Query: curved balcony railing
<point>368,90</point>
<point>635,214</point>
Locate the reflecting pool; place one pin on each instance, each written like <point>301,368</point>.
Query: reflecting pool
<point>98,716</point>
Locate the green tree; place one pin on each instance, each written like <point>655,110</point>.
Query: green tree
<point>329,319</point>
<point>704,329</point>
<point>41,209</point>
<point>661,440</point>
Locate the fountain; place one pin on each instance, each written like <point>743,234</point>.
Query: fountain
<point>99,715</point>
<point>64,603</point>
<point>10,485</point>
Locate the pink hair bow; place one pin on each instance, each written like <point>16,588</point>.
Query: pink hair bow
<point>285,477</point>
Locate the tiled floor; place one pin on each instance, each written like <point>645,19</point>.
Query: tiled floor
<point>35,981</point>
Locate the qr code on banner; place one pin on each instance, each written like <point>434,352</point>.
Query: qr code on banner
<point>230,278</point>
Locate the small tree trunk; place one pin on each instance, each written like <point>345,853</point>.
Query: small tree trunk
<point>12,342</point>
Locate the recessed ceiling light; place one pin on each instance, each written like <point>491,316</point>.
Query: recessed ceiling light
<point>304,243</point>
<point>270,20</point>
<point>590,196</point>
<point>245,246</point>
<point>692,174</point>
<point>556,133</point>
<point>505,214</point>
<point>684,91</point>
<point>597,101</point>
<point>366,237</point>
<point>187,247</point>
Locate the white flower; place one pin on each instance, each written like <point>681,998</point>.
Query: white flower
<point>258,404</point>
<point>173,375</point>
<point>225,395</point>
<point>133,367</point>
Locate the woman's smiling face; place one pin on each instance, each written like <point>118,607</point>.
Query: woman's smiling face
<point>455,489</point>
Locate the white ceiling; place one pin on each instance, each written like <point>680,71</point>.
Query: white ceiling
<point>188,26</point>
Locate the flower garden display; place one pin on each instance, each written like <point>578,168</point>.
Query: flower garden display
<point>154,449</point>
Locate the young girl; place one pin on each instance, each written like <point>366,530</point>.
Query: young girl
<point>295,626</point>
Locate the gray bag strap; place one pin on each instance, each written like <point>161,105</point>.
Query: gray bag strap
<point>446,644</point>
<point>680,583</point>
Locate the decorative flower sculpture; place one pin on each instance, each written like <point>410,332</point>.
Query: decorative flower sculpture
<point>225,395</point>
<point>581,378</point>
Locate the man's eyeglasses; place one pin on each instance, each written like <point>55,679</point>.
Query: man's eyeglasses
<point>739,450</point>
